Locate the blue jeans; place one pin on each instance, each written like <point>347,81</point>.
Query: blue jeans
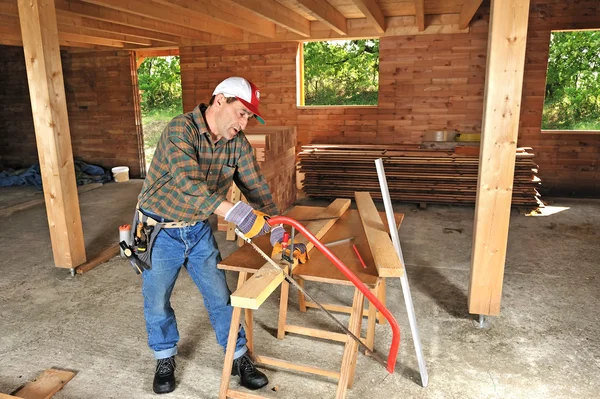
<point>195,249</point>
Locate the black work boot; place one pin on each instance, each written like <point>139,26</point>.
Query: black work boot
<point>250,377</point>
<point>164,377</point>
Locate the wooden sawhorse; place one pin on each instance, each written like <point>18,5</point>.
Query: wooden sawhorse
<point>246,261</point>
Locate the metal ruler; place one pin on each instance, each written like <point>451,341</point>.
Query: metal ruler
<point>299,288</point>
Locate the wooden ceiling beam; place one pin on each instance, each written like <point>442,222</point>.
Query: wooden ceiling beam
<point>14,39</point>
<point>92,11</point>
<point>102,26</point>
<point>278,14</point>
<point>189,19</point>
<point>99,41</point>
<point>326,13</point>
<point>145,53</point>
<point>106,35</point>
<point>225,12</point>
<point>420,14</point>
<point>467,12</point>
<point>10,24</point>
<point>373,13</point>
<point>67,19</point>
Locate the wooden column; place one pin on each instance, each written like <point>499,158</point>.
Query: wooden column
<point>49,106</point>
<point>502,102</point>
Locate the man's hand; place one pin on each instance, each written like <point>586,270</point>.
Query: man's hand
<point>250,221</point>
<point>277,236</point>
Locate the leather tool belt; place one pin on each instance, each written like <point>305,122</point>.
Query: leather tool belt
<point>144,231</point>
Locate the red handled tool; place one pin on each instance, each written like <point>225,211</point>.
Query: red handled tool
<point>393,353</point>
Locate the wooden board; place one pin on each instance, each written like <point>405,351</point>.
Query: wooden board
<point>415,175</point>
<point>258,288</point>
<point>386,258</point>
<point>45,385</point>
<point>319,268</point>
<point>102,257</point>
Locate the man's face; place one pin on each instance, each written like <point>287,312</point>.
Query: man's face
<point>230,118</point>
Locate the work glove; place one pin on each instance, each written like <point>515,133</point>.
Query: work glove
<point>277,237</point>
<point>251,222</point>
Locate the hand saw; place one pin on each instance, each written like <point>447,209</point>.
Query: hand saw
<point>391,361</point>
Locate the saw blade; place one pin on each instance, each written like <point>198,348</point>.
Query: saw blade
<point>288,278</point>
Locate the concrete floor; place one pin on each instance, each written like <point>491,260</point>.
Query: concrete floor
<point>545,343</point>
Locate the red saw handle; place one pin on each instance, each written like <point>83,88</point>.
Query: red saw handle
<point>391,360</point>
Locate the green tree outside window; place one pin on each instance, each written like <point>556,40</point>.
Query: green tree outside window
<point>572,99</point>
<point>341,72</point>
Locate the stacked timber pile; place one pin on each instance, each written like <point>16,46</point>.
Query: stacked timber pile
<point>275,151</point>
<point>413,174</point>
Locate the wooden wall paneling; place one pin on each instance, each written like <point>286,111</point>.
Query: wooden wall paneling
<point>48,103</point>
<point>504,83</point>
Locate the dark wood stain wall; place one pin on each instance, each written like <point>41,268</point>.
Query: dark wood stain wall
<point>17,138</point>
<point>100,103</point>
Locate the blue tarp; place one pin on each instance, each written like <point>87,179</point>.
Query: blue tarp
<point>84,174</point>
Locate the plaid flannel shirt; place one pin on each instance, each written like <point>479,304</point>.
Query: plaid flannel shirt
<point>190,175</point>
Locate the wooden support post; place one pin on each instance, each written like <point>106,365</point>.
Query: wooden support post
<point>49,107</point>
<point>502,101</point>
<point>371,319</point>
<point>301,298</point>
<point>351,348</point>
<point>283,305</point>
<point>230,352</point>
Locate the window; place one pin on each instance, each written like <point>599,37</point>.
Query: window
<point>340,72</point>
<point>572,99</point>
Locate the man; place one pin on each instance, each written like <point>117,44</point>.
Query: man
<point>197,157</point>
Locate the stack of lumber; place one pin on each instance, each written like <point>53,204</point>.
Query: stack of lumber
<point>275,151</point>
<point>413,174</point>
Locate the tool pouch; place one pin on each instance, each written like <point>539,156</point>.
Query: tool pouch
<point>143,233</point>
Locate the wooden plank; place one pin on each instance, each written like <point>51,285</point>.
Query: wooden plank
<point>272,11</point>
<point>65,18</point>
<point>234,328</point>
<point>316,333</point>
<point>373,13</point>
<point>326,13</point>
<point>227,13</point>
<point>258,288</point>
<point>420,14</point>
<point>232,393</point>
<point>351,348</point>
<point>49,108</point>
<point>102,257</point>
<point>68,7</point>
<point>190,19</point>
<point>318,268</point>
<point>5,396</point>
<point>269,361</point>
<point>467,12</point>
<point>45,385</point>
<point>500,125</point>
<point>384,255</point>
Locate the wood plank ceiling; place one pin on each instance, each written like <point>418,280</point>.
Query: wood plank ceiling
<point>169,24</point>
